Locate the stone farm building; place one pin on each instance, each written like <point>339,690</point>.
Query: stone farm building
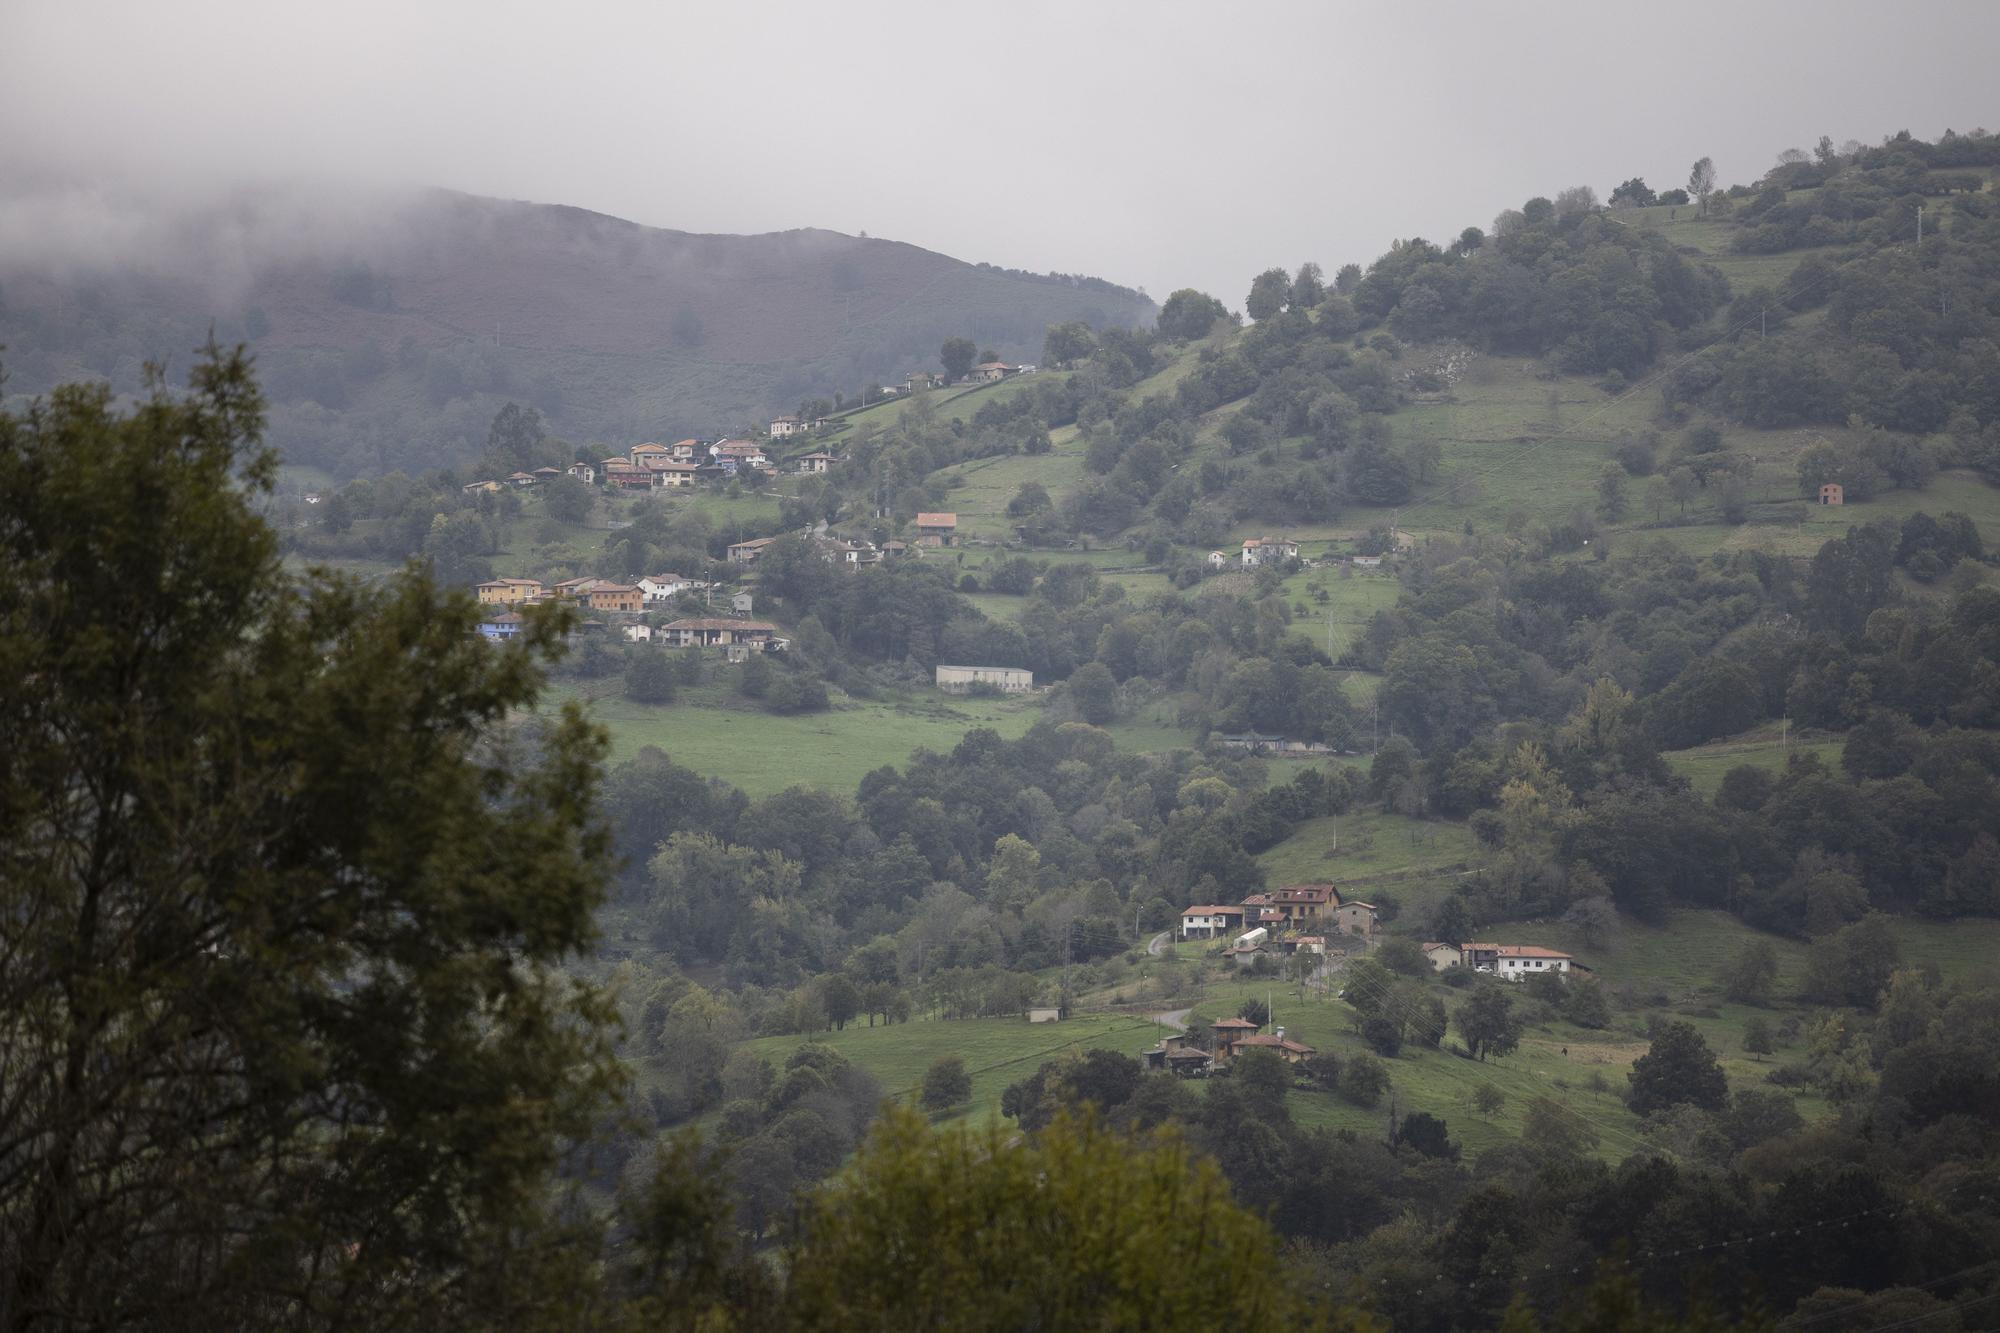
<point>959,679</point>
<point>937,529</point>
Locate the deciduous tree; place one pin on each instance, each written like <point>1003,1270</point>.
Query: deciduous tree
<point>284,1031</point>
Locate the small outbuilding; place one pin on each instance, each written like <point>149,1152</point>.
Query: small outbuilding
<point>1832,494</point>
<point>1045,1015</point>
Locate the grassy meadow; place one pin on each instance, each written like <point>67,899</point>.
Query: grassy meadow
<point>719,734</point>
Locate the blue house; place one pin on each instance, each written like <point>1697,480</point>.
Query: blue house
<point>504,626</point>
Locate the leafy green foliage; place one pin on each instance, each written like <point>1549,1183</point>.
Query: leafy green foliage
<point>277,891</point>
<point>1678,1068</point>
<point>1073,1227</point>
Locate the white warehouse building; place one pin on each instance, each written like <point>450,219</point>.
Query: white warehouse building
<point>959,679</point>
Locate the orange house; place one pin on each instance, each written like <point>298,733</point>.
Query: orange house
<point>616,597</point>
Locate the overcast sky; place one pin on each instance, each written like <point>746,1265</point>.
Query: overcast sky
<point>1160,144</point>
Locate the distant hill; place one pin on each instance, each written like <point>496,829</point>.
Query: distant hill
<point>389,337</point>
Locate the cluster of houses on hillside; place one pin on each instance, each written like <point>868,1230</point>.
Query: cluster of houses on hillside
<point>933,530</point>
<point>621,605</point>
<point>1181,1052</point>
<point>1302,917</point>
<point>1290,919</point>
<point>657,467</point>
<point>986,372</point>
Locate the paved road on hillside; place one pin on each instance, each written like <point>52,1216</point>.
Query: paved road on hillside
<point>1173,1018</point>
<point>1157,946</point>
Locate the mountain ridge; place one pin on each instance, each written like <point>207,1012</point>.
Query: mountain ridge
<point>393,343</point>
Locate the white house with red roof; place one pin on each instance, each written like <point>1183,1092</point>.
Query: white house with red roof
<point>1205,921</point>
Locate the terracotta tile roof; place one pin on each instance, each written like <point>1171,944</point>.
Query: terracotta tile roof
<point>937,520</point>
<point>1210,910</point>
<point>1235,1023</point>
<point>1275,1042</point>
<point>1527,951</point>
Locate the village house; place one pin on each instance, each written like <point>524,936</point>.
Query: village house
<point>1442,955</point>
<point>1313,944</point>
<point>1518,962</point>
<point>785,427</point>
<point>1177,1053</point>
<point>746,553</point>
<point>741,453</point>
<point>545,475</point>
<point>1305,902</point>
<point>1832,494</point>
<point>663,587</point>
<point>738,637</point>
<point>986,372</point>
<point>506,625</point>
<point>674,476</point>
<point>1356,918</point>
<point>650,455</point>
<point>920,380</point>
<point>1265,551</point>
<point>629,477</point>
<point>937,529</point>
<point>584,473</point>
<point>604,464</point>
<point>509,591</point>
<point>1229,1032</point>
<point>576,589</point>
<point>474,487</point>
<point>638,632</point>
<point>1291,1052</point>
<point>1515,962</point>
<point>893,548</point>
<point>1258,911</point>
<point>520,481</point>
<point>1206,921</point>
<point>1009,680</point>
<point>839,551</point>
<point>1218,560</point>
<point>616,597</point>
<point>817,462</point>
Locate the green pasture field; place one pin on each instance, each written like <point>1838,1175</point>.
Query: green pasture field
<point>712,731</point>
<point>1443,1083</point>
<point>996,1051</point>
<point>978,491</point>
<point>1415,860</point>
<point>1764,747</point>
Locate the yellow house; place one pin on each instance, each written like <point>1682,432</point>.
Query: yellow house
<point>509,591</point>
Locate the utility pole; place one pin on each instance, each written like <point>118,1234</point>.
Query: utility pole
<point>1920,226</point>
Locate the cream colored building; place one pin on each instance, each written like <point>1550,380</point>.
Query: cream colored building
<point>959,679</point>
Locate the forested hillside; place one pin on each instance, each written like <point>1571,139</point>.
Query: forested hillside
<point>1582,662</point>
<point>387,338</point>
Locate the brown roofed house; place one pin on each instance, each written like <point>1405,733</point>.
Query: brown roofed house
<point>937,529</point>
